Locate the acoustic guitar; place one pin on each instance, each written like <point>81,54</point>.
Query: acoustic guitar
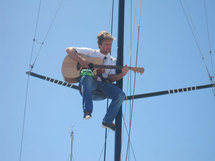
<point>71,68</point>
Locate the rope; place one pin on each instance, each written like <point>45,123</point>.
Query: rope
<point>126,128</point>
<point>138,34</point>
<point>194,33</point>
<point>130,56</point>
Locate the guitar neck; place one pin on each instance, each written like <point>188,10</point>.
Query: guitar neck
<point>108,66</point>
<point>134,69</point>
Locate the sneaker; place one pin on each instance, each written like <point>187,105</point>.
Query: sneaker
<point>110,126</point>
<point>87,116</point>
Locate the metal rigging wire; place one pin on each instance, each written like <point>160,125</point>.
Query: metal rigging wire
<point>31,68</point>
<point>194,33</point>
<point>27,86</point>
<point>35,33</point>
<point>46,35</point>
<point>111,31</point>
<point>209,43</point>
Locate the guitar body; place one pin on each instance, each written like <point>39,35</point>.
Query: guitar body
<point>71,69</point>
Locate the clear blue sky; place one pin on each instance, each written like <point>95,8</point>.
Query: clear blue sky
<point>178,127</point>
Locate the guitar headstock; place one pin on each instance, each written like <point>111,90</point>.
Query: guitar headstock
<point>137,69</point>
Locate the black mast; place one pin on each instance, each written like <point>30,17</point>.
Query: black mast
<point>118,122</point>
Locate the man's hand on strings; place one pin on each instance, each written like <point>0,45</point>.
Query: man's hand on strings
<point>100,71</point>
<point>125,70</point>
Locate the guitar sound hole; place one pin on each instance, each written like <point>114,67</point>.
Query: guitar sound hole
<point>78,66</point>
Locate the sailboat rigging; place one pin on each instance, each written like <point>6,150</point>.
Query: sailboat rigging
<point>120,51</point>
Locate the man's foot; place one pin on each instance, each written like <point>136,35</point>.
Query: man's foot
<point>87,116</point>
<point>110,126</point>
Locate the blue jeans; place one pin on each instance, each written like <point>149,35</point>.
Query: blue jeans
<point>88,84</point>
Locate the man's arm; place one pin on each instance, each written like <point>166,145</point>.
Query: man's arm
<point>116,77</point>
<point>72,53</point>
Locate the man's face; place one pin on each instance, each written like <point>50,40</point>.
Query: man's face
<point>105,47</point>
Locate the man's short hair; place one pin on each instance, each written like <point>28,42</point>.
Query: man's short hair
<point>104,35</point>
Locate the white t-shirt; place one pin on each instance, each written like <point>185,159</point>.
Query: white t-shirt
<point>109,60</point>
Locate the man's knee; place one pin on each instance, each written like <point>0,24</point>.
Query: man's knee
<point>121,95</point>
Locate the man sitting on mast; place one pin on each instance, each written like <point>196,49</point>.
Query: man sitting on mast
<point>103,81</point>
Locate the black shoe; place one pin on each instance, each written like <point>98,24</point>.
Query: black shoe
<point>110,126</point>
<point>87,116</point>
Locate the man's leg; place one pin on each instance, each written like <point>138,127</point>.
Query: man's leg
<point>87,85</point>
<point>117,96</point>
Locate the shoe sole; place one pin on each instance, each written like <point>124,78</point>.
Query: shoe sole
<point>107,127</point>
<point>87,118</point>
